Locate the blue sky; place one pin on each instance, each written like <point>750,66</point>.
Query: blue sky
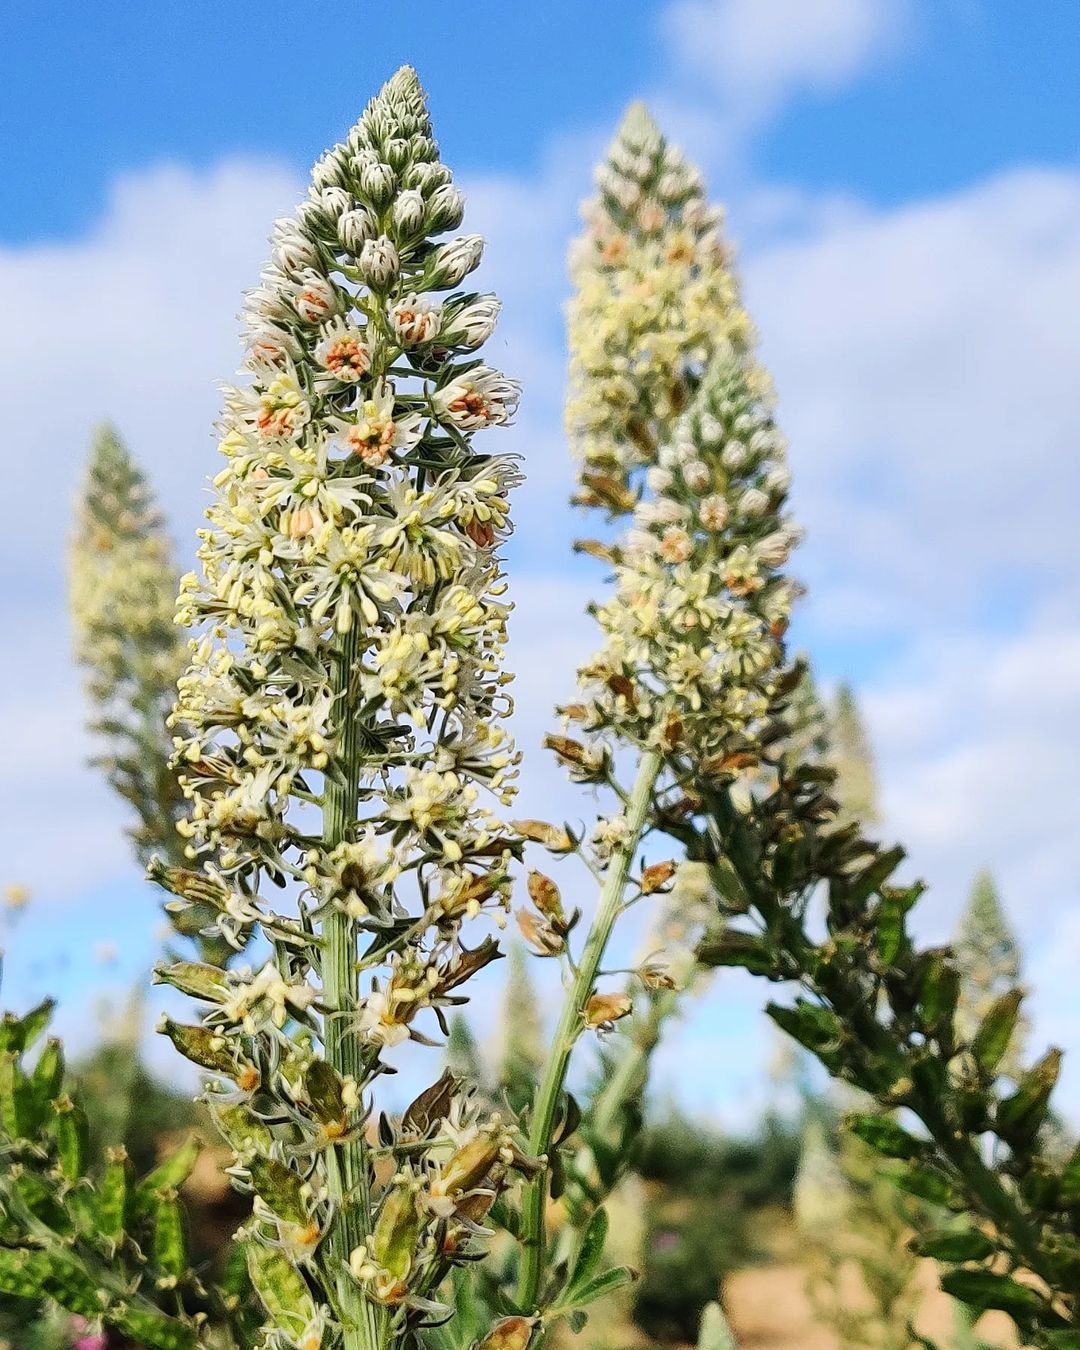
<point>903,178</point>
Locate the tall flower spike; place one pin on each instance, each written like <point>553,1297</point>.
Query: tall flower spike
<point>122,591</point>
<point>669,414</point>
<point>353,618</point>
<point>655,298</point>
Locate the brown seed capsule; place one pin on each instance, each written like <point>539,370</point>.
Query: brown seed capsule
<point>603,1010</point>
<point>512,1333</point>
<point>656,876</point>
<point>538,933</point>
<point>655,977</point>
<point>554,838</point>
<point>545,895</point>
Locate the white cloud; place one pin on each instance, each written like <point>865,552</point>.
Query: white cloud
<point>758,53</point>
<point>926,373</point>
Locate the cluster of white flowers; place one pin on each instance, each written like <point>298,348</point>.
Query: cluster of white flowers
<point>654,298</point>
<point>352,502</point>
<point>122,588</point>
<point>352,618</point>
<point>672,425</point>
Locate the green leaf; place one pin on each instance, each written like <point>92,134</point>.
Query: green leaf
<point>954,1244</point>
<point>607,1283</point>
<point>983,1289</point>
<point>885,1136</point>
<point>813,1026</point>
<point>48,1074</point>
<point>736,947</point>
<point>113,1197</point>
<point>921,1182</point>
<point>996,1031</point>
<point>35,1022</point>
<point>592,1250</point>
<point>851,896</point>
<point>72,1137</point>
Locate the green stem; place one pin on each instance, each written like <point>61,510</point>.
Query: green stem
<point>570,1025</point>
<point>347,1165</point>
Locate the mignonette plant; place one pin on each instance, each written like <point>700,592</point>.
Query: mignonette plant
<point>339,743</point>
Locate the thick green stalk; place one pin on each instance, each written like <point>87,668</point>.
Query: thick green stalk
<point>570,1025</point>
<point>348,1178</point>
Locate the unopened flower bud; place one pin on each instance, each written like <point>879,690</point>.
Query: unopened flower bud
<point>428,177</point>
<point>377,184</point>
<point>656,978</point>
<point>408,213</point>
<point>356,227</point>
<point>378,263</point>
<point>446,209</point>
<point>454,261</point>
<point>473,324</point>
<point>753,502</point>
<point>328,170</point>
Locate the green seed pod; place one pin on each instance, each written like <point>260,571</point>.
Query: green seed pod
<point>280,1188</point>
<point>281,1288</point>
<point>72,1287</point>
<point>194,978</point>
<point>35,1022</point>
<point>209,1050</point>
<point>48,1076</point>
<point>23,1273</point>
<point>113,1197</point>
<point>147,1326</point>
<point>72,1137</point>
<point>243,1131</point>
<point>39,1200</point>
<point>322,1087</point>
<point>170,1239</point>
<point>169,1175</point>
<point>393,1242</point>
<point>15,1108</point>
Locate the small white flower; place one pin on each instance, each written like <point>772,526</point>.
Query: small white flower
<point>344,352</point>
<point>378,429</point>
<point>415,319</point>
<point>714,512</point>
<point>315,298</point>
<point>481,398</point>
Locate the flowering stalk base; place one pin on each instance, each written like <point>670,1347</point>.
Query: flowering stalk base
<point>571,1023</point>
<point>347,1164</point>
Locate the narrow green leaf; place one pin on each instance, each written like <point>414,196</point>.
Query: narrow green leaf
<point>983,1289</point>
<point>607,1283</point>
<point>592,1250</point>
<point>1021,1114</point>
<point>885,1136</point>
<point>954,1244</point>
<point>168,1175</point>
